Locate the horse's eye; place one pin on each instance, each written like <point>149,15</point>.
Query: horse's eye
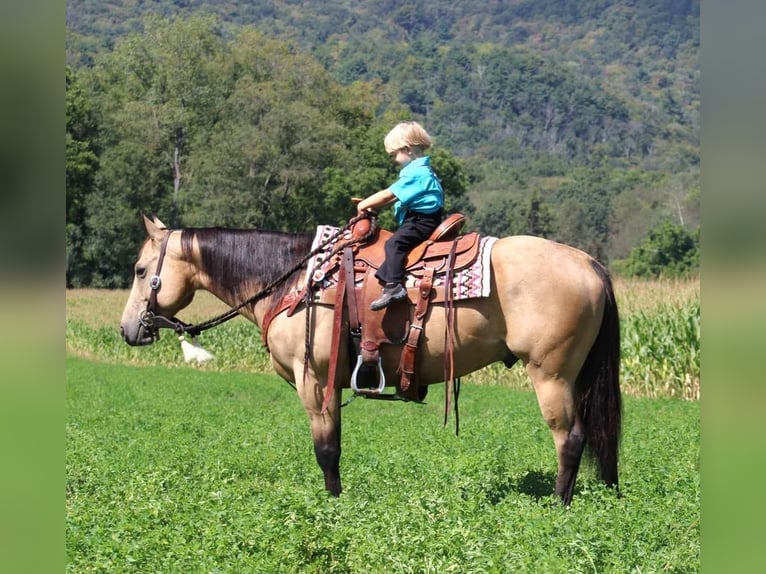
<point>140,272</point>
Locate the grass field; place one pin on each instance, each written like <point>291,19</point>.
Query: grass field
<point>171,468</point>
<point>174,469</point>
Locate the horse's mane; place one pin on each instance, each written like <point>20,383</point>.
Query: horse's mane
<point>241,262</point>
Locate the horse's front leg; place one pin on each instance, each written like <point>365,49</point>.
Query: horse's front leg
<point>288,356</point>
<point>325,431</point>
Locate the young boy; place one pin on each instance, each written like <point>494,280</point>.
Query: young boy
<point>418,210</point>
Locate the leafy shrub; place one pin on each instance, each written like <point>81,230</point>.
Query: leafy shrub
<point>669,250</point>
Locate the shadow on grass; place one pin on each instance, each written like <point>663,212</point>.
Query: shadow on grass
<point>539,485</point>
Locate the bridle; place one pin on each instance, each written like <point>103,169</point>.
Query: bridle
<point>152,321</point>
<point>149,318</point>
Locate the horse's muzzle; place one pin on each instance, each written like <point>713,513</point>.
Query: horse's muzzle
<point>136,335</point>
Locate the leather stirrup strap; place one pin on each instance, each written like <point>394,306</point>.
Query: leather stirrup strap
<point>407,362</point>
<point>340,295</point>
<point>353,311</point>
<point>449,330</point>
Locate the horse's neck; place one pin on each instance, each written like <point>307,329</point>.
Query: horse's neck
<point>234,298</point>
<point>236,266</point>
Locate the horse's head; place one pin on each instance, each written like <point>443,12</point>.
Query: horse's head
<point>162,284</point>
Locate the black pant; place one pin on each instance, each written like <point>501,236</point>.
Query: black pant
<point>415,229</point>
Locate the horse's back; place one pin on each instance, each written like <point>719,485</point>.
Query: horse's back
<point>537,266</point>
<point>523,249</point>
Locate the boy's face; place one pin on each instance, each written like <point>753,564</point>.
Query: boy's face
<point>402,156</point>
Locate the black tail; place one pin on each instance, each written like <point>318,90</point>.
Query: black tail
<point>600,402</point>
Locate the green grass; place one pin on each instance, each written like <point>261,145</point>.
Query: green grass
<point>172,469</point>
<point>236,346</point>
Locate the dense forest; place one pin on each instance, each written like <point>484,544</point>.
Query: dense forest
<point>577,121</point>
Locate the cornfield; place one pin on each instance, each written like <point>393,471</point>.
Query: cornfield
<point>660,332</point>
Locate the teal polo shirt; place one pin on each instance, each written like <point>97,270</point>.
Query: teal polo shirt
<point>417,189</point>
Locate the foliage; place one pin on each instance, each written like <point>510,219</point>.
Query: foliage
<point>586,209</point>
<point>175,470</point>
<point>236,346</point>
<point>528,214</point>
<point>668,339</point>
<point>270,114</point>
<point>669,250</point>
<point>523,60</point>
<point>240,133</point>
<point>81,168</point>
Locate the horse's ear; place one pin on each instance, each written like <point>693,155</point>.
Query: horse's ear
<point>155,228</point>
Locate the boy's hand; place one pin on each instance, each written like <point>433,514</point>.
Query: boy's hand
<point>357,201</point>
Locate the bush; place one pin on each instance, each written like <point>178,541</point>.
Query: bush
<point>669,250</point>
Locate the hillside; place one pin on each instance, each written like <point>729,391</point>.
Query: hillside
<point>634,64</point>
<point>545,102</point>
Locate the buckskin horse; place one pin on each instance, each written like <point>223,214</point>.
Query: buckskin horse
<point>548,305</point>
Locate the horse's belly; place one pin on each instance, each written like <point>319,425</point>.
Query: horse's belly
<point>478,340</point>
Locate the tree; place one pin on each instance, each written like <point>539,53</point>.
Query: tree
<point>159,92</point>
<point>81,166</point>
<point>539,217</point>
<point>669,250</point>
<point>202,131</point>
<point>518,213</point>
<point>584,211</point>
<point>217,122</point>
<point>454,181</point>
<point>286,134</point>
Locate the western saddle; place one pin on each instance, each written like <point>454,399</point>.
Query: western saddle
<point>431,264</point>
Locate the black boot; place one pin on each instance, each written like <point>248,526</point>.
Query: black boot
<point>391,292</point>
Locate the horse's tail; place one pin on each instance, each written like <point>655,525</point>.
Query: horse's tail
<point>600,403</point>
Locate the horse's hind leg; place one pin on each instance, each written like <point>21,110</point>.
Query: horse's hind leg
<point>569,455</point>
<point>556,401</point>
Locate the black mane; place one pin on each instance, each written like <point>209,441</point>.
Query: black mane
<point>241,262</point>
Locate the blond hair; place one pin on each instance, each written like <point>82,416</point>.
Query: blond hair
<point>407,134</point>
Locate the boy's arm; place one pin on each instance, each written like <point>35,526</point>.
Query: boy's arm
<point>375,201</point>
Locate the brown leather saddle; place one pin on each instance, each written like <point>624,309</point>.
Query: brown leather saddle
<point>431,253</point>
<point>445,247</point>
<point>431,264</point>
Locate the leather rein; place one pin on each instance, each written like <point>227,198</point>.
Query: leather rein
<point>152,321</point>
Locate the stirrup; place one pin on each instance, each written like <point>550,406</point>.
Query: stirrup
<point>381,378</point>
